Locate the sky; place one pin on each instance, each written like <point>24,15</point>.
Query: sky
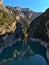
<point>35,5</point>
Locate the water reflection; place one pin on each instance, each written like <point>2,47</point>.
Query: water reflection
<point>21,52</point>
<point>35,60</point>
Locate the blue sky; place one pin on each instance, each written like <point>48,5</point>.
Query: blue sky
<point>36,5</point>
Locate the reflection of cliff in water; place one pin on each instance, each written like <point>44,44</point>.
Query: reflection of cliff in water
<point>23,50</point>
<point>20,49</point>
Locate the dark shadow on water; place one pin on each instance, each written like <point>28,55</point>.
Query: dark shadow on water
<point>35,46</point>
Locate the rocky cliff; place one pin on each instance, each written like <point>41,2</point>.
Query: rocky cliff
<point>39,29</point>
<point>14,22</point>
<point>17,23</point>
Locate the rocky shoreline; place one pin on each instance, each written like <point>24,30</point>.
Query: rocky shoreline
<point>44,44</point>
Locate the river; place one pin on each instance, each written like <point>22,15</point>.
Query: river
<point>24,52</point>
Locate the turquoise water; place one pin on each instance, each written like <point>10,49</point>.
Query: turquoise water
<point>35,60</point>
<point>21,46</point>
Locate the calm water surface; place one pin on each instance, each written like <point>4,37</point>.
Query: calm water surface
<point>39,58</point>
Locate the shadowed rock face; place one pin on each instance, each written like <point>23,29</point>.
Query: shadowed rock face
<point>8,39</point>
<point>10,14</point>
<point>39,27</point>
<point>16,33</point>
<point>17,20</point>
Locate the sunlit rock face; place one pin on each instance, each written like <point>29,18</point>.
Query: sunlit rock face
<point>23,13</point>
<point>7,29</point>
<point>2,6</point>
<point>1,2</point>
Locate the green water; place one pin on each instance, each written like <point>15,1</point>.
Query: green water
<point>21,46</point>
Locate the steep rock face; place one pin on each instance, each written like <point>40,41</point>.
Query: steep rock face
<point>24,16</point>
<point>39,27</point>
<point>9,16</point>
<point>7,29</point>
<point>10,38</point>
<point>23,13</point>
<point>7,24</point>
<point>30,14</point>
<point>2,6</point>
<point>14,22</point>
<point>18,33</point>
<point>10,30</point>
